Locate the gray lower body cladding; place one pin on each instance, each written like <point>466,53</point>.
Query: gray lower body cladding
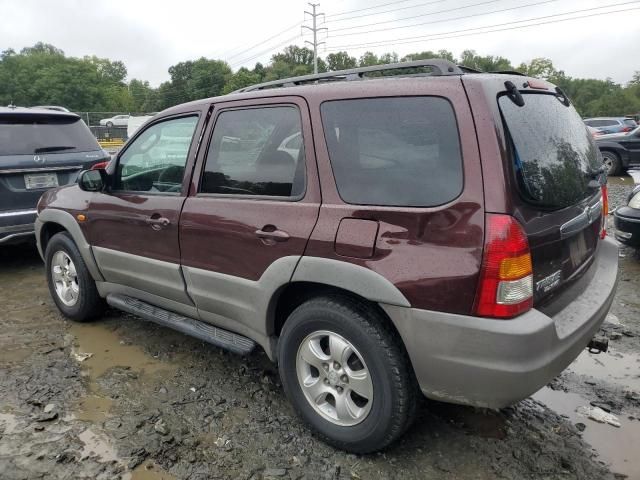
<point>195,328</point>
<point>495,363</point>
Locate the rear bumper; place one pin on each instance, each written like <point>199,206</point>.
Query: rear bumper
<point>17,225</point>
<point>627,223</point>
<point>495,363</point>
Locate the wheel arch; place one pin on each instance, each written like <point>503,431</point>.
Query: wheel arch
<point>51,222</point>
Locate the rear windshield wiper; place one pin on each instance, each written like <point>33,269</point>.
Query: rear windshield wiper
<point>596,177</point>
<point>53,149</point>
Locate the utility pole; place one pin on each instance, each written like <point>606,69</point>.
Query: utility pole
<point>315,29</point>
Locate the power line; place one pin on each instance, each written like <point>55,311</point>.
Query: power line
<point>270,49</point>
<point>445,20</point>
<point>417,16</point>
<point>379,6</point>
<point>402,41</point>
<point>263,41</point>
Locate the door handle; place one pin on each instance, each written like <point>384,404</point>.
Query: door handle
<point>157,222</point>
<point>270,234</point>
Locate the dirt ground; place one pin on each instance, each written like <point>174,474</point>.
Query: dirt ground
<point>123,398</point>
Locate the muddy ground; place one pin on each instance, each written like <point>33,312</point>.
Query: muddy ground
<point>123,398</point>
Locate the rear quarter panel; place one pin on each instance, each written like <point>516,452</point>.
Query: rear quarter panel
<point>432,255</point>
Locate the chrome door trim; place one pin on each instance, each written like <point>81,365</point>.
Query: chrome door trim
<point>15,213</point>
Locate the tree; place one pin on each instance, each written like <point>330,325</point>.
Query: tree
<point>340,61</point>
<point>488,63</point>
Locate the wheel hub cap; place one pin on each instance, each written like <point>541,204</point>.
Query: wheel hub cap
<point>334,378</point>
<point>65,278</point>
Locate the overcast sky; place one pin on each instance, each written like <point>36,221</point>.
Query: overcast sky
<point>151,35</point>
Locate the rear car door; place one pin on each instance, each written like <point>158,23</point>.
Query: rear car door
<point>38,150</point>
<point>255,199</point>
<point>134,226</point>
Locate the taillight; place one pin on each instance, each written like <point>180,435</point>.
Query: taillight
<point>505,288</point>
<point>605,210</point>
<point>100,165</point>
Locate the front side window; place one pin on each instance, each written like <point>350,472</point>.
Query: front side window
<point>256,151</point>
<point>402,151</point>
<point>156,159</point>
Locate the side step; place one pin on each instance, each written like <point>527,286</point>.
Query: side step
<point>204,331</point>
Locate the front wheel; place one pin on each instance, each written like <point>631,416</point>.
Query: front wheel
<point>109,124</point>
<point>346,373</point>
<point>70,283</point>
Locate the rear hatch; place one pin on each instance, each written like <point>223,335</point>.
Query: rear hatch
<point>556,175</point>
<point>39,151</point>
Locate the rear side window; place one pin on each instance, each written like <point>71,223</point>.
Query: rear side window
<point>256,151</point>
<point>555,157</point>
<point>629,122</point>
<point>400,151</point>
<point>33,134</point>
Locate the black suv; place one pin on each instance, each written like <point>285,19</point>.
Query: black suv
<point>39,149</point>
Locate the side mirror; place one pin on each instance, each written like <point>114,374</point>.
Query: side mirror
<point>93,180</point>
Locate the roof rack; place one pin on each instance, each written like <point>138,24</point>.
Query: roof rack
<point>438,66</point>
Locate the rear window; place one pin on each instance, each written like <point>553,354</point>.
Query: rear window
<point>555,156</point>
<point>394,151</point>
<point>31,134</point>
<point>630,122</point>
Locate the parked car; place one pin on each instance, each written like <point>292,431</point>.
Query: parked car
<point>378,263</point>
<point>115,121</point>
<point>612,124</point>
<point>594,131</point>
<point>620,151</point>
<point>39,150</point>
<point>627,220</point>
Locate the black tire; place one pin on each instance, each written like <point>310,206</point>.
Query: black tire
<point>396,393</point>
<point>88,304</point>
<point>109,124</point>
<point>612,162</point>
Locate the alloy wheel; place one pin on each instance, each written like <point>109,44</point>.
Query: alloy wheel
<point>334,378</point>
<point>65,278</point>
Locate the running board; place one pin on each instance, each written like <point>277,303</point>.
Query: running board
<point>195,328</point>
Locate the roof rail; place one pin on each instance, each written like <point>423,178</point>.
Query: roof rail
<point>438,67</point>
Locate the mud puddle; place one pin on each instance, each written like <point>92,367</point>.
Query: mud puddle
<point>148,471</point>
<point>622,369</point>
<point>618,447</point>
<point>99,349</point>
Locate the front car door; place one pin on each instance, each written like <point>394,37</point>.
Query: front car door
<point>134,226</point>
<point>254,202</point>
<point>632,143</point>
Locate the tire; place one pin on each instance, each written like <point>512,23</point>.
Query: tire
<point>324,322</point>
<point>76,295</point>
<point>109,124</point>
<point>612,162</point>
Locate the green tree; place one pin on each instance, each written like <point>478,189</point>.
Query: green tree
<point>340,61</point>
<point>487,63</point>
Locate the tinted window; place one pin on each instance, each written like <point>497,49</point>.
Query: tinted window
<point>394,151</point>
<point>254,152</point>
<point>155,161</point>
<point>554,154</point>
<point>30,134</point>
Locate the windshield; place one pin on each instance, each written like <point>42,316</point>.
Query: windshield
<point>555,157</point>
<point>31,134</point>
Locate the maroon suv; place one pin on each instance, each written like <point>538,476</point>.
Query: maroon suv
<point>434,230</point>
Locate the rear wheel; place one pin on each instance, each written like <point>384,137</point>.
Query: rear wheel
<point>109,124</point>
<point>612,162</point>
<point>69,280</point>
<point>346,373</point>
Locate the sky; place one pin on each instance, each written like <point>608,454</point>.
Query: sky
<point>150,36</point>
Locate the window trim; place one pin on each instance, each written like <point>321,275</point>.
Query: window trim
<point>395,206</point>
<point>196,114</point>
<point>241,196</point>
